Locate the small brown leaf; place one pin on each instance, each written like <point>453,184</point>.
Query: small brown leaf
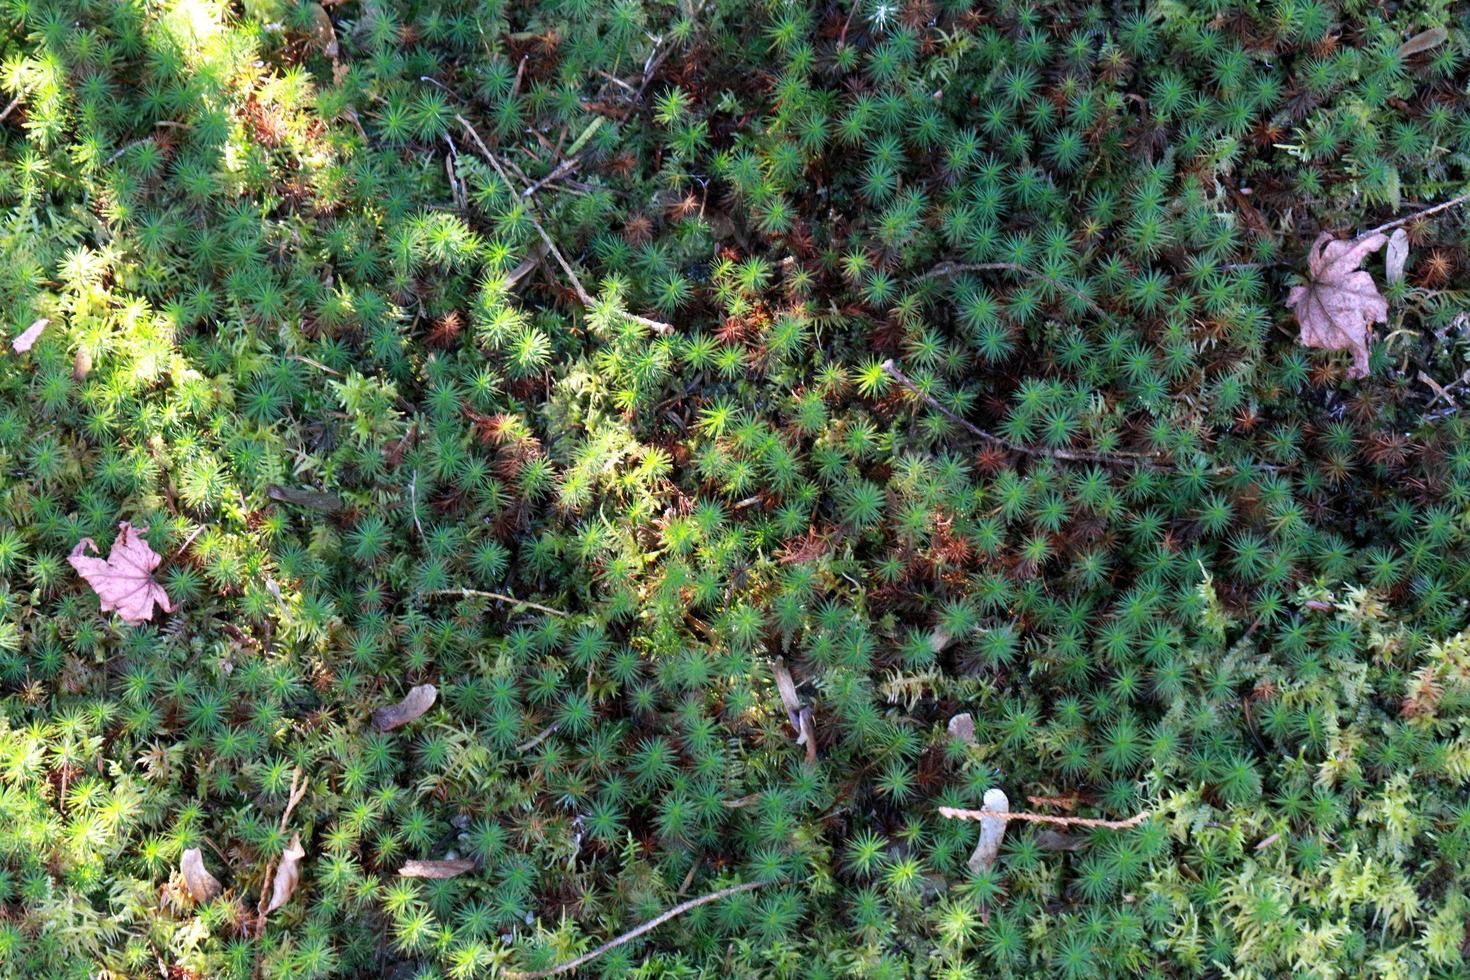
<point>1395,256</point>
<point>436,869</point>
<point>418,700</point>
<point>202,885</point>
<point>30,335</point>
<point>1423,41</point>
<point>81,364</point>
<point>1339,303</point>
<point>288,875</point>
<point>124,581</point>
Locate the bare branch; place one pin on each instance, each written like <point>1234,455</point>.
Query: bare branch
<point>955,813</point>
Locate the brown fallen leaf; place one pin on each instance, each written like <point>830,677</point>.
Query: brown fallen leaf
<point>1339,303</point>
<point>288,875</point>
<point>28,337</point>
<point>124,580</point>
<point>418,700</point>
<point>1423,41</point>
<point>436,869</point>
<point>202,885</point>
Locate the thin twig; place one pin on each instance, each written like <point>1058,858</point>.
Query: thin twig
<point>1120,458</point>
<point>585,297</point>
<point>1444,206</point>
<point>945,269</point>
<point>648,926</point>
<point>316,364</point>
<point>498,597</point>
<point>562,169</point>
<point>955,813</point>
<point>540,737</point>
<point>13,103</point>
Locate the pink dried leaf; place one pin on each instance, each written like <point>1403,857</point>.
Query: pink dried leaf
<point>1339,303</point>
<point>124,580</point>
<point>30,335</point>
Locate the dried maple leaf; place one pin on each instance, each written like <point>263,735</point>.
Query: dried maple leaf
<point>1339,303</point>
<point>288,875</point>
<point>415,703</point>
<point>201,884</point>
<point>124,581</point>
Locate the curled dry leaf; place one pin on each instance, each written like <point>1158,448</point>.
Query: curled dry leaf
<point>418,700</point>
<point>798,714</point>
<point>992,829</point>
<point>1339,303</point>
<point>288,875</point>
<point>202,885</point>
<point>30,335</point>
<point>1395,256</point>
<point>436,869</point>
<point>124,581</point>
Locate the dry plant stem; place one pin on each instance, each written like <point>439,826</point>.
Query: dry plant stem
<point>498,597</point>
<point>1400,222</point>
<point>955,813</point>
<point>632,934</point>
<point>298,790</point>
<point>657,326</point>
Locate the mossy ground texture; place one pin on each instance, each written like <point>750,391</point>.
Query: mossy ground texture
<point>613,365</point>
